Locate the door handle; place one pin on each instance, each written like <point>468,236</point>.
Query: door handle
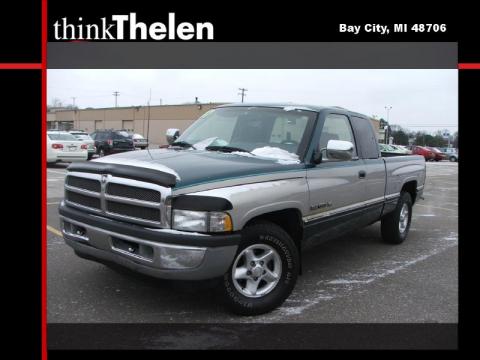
<point>362,174</point>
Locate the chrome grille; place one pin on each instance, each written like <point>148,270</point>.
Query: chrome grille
<point>132,192</point>
<point>118,198</point>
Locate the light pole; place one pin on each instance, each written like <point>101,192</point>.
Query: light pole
<point>388,108</point>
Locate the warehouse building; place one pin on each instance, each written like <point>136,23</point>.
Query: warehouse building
<point>152,122</point>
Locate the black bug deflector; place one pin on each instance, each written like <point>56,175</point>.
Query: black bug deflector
<point>126,171</point>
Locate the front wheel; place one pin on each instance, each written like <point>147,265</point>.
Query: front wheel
<point>453,158</point>
<point>264,271</point>
<point>396,224</point>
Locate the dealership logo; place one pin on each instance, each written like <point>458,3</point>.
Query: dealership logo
<point>126,27</point>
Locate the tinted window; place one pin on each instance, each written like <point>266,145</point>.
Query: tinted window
<point>120,135</point>
<point>335,127</point>
<point>366,138</point>
<point>100,136</point>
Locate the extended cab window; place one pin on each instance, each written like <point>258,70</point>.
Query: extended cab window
<point>336,127</point>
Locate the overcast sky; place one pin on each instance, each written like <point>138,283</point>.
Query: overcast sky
<point>420,99</point>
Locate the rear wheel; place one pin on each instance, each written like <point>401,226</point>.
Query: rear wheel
<point>264,271</point>
<point>395,225</point>
<point>101,152</point>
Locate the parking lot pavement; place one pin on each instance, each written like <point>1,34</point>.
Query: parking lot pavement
<point>356,278</point>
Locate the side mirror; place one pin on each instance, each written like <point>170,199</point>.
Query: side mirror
<point>172,135</point>
<point>339,150</point>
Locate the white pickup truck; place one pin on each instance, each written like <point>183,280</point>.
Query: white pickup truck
<point>239,195</point>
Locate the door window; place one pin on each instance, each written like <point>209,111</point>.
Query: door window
<point>336,127</point>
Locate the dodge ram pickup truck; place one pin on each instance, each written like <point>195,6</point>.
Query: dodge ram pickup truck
<point>239,196</point>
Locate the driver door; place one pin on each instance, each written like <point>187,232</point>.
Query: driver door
<point>336,187</point>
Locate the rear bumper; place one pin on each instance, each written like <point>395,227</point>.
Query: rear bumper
<point>149,251</point>
<point>70,157</point>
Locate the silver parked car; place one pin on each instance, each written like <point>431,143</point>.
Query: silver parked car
<point>139,141</point>
<point>86,139</point>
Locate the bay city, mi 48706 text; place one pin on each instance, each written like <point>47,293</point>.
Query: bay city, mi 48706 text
<point>397,28</point>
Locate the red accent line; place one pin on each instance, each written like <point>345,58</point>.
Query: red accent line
<point>20,66</point>
<point>469,66</point>
<point>44,352</point>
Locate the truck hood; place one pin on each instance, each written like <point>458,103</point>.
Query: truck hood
<point>195,167</point>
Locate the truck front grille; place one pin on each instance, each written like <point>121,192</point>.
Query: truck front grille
<point>133,211</point>
<point>118,198</point>
<point>83,183</point>
<point>133,192</point>
<point>83,200</point>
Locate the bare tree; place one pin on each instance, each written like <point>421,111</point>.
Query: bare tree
<point>56,103</point>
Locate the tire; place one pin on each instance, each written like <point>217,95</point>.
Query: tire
<point>101,152</point>
<point>395,225</point>
<point>453,159</point>
<point>257,240</point>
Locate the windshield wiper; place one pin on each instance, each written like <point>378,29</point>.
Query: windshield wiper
<point>226,148</point>
<point>183,144</point>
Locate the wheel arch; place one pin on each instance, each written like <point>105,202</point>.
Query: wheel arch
<point>411,188</point>
<point>290,220</point>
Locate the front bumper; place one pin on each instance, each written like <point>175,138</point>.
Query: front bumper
<point>149,251</point>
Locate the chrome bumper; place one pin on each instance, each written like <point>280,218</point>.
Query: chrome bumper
<point>154,258</point>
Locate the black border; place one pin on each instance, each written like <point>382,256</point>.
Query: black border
<point>20,39</point>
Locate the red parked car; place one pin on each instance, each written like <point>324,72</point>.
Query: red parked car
<point>429,155</point>
<point>439,156</point>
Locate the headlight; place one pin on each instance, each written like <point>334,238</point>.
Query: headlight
<point>201,221</point>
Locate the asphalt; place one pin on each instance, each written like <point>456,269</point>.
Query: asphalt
<point>353,279</point>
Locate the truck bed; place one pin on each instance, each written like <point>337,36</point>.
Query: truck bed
<point>402,169</point>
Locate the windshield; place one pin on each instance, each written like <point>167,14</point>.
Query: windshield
<point>62,137</point>
<point>82,136</point>
<point>262,131</point>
